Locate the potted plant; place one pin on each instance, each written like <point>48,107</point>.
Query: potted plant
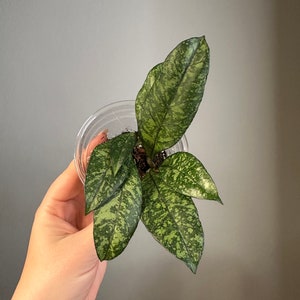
<point>134,176</point>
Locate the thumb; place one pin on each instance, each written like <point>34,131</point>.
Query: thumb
<point>66,186</point>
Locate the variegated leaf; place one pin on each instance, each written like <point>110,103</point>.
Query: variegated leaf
<point>116,221</point>
<point>173,220</point>
<point>121,148</point>
<point>169,100</point>
<point>145,91</point>
<point>184,173</point>
<point>100,182</point>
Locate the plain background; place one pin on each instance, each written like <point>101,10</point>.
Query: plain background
<point>62,60</point>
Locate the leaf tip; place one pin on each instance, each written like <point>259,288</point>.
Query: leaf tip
<point>87,209</point>
<point>193,267</point>
<point>219,200</point>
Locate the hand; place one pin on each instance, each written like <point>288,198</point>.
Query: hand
<point>61,261</point>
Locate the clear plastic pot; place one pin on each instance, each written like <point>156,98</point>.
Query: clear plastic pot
<point>116,117</point>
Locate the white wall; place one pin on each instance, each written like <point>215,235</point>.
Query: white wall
<point>62,60</point>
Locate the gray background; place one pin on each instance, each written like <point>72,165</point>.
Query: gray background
<point>62,60</point>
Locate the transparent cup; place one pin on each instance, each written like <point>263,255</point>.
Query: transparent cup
<point>116,117</point>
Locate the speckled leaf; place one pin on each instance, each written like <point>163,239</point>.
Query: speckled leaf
<point>100,182</point>
<point>184,173</point>
<point>121,149</point>
<point>116,221</point>
<point>173,220</point>
<point>169,100</point>
<point>145,91</point>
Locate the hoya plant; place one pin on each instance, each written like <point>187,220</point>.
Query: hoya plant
<point>131,178</point>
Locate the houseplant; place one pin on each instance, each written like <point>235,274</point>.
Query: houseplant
<point>131,177</point>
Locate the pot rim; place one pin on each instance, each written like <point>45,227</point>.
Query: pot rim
<point>95,123</point>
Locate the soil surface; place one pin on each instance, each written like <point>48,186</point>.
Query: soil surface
<point>142,164</point>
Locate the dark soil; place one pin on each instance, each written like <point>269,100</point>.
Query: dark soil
<point>142,164</point>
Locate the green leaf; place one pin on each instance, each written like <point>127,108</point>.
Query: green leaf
<point>173,220</point>
<point>170,97</point>
<point>100,182</point>
<point>116,221</point>
<point>145,91</point>
<point>184,173</point>
<point>121,148</point>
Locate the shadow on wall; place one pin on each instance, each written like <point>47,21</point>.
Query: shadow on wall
<point>288,112</point>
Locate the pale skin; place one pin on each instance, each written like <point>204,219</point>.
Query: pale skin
<point>61,261</point>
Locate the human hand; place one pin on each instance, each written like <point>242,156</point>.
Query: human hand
<point>61,261</point>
